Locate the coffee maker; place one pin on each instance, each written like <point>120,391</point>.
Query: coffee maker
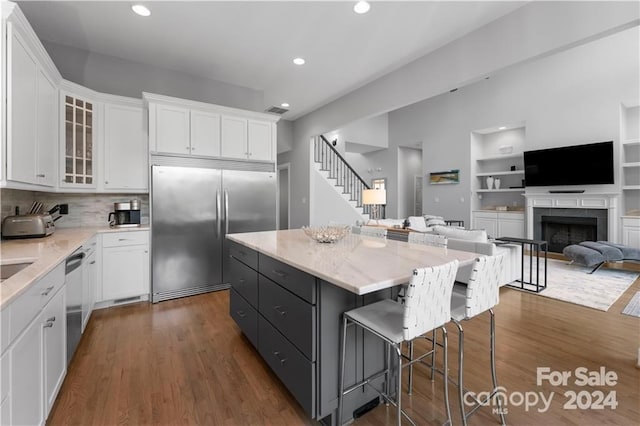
<point>125,214</point>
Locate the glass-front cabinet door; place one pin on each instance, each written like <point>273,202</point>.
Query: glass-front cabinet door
<point>78,165</point>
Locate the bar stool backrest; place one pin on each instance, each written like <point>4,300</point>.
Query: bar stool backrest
<point>427,304</point>
<point>483,288</point>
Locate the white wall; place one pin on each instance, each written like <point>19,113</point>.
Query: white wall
<point>362,135</point>
<point>336,209</point>
<point>409,166</point>
<point>569,98</point>
<point>532,31</point>
<point>285,135</point>
<point>117,76</point>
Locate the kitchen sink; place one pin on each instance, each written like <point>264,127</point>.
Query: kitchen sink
<point>9,270</point>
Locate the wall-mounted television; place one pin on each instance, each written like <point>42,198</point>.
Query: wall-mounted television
<point>589,164</point>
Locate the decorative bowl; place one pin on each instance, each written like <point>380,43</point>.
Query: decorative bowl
<point>326,234</point>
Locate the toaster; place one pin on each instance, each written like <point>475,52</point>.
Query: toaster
<point>28,226</point>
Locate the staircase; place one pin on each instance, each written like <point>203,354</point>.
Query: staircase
<point>340,175</point>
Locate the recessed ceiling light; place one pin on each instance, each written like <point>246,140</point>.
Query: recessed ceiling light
<point>285,105</point>
<point>299,61</point>
<point>361,7</point>
<point>502,128</point>
<point>141,10</point>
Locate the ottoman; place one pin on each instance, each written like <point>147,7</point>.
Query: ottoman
<point>590,253</point>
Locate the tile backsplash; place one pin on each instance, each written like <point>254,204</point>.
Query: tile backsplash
<point>84,209</point>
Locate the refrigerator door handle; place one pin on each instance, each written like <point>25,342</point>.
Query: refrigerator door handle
<point>226,212</point>
<point>218,224</point>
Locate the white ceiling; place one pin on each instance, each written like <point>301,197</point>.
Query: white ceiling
<point>252,44</point>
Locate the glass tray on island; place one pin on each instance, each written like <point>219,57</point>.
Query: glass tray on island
<point>326,234</point>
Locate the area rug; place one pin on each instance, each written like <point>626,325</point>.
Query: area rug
<point>633,307</point>
<point>573,284</point>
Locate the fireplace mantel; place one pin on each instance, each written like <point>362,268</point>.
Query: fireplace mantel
<point>608,201</point>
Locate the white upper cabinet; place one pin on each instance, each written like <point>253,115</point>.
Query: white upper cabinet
<point>32,135</point>
<point>234,137</point>
<point>260,140</point>
<point>125,148</point>
<point>205,133</point>
<point>47,131</point>
<point>22,101</point>
<point>171,125</point>
<point>78,145</point>
<point>184,127</point>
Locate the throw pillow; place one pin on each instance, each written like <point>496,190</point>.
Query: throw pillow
<point>417,223</point>
<point>435,221</point>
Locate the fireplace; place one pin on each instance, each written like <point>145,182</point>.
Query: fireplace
<point>561,231</point>
<point>580,209</point>
<point>562,227</point>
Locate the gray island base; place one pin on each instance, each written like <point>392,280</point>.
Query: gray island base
<point>288,294</point>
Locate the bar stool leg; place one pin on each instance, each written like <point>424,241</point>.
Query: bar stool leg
<point>461,371</point>
<point>410,368</point>
<point>493,364</point>
<point>445,375</point>
<point>399,387</point>
<point>434,336</point>
<point>387,377</point>
<point>342,362</point>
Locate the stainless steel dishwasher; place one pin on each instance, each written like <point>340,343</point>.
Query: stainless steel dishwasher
<point>73,291</point>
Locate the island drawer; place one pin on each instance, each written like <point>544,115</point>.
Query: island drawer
<point>298,282</point>
<point>244,280</point>
<point>292,316</point>
<point>244,315</point>
<point>294,370</point>
<point>243,254</point>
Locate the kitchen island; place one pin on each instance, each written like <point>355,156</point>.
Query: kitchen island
<point>287,296</point>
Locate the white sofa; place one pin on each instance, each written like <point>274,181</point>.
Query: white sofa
<point>476,241</point>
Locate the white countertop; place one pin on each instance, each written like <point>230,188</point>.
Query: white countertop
<point>45,253</point>
<point>357,263</point>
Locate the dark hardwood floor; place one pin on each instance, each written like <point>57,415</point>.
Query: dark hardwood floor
<point>185,362</point>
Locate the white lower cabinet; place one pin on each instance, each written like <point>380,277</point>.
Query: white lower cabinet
<point>5,396</point>
<point>500,224</point>
<point>35,362</point>
<point>27,396</point>
<point>631,231</point>
<point>54,348</point>
<point>125,265</point>
<point>89,280</point>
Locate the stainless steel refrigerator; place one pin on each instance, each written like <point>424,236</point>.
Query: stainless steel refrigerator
<point>192,209</point>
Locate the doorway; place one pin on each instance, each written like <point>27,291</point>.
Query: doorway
<point>284,190</point>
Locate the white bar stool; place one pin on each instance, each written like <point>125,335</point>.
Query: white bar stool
<point>481,294</point>
<point>427,306</point>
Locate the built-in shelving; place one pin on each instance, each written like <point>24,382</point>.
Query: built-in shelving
<point>515,155</point>
<point>630,161</point>
<point>502,190</point>
<point>489,160</point>
<point>507,173</point>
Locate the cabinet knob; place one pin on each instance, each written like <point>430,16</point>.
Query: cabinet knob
<point>52,319</point>
<point>41,175</point>
<point>193,148</point>
<point>187,148</point>
<point>106,181</point>
<point>47,291</point>
<point>48,325</point>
